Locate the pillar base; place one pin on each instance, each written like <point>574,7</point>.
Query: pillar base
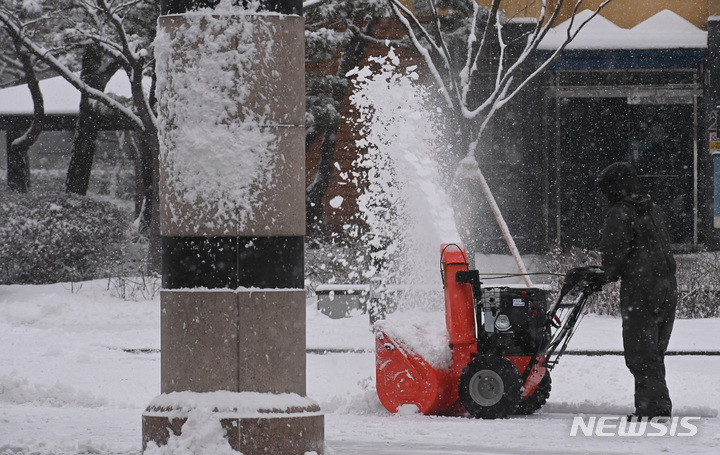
<point>253,423</point>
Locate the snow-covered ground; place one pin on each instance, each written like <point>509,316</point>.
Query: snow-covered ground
<point>78,366</point>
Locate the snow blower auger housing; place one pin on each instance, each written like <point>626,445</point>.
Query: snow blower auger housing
<point>497,337</point>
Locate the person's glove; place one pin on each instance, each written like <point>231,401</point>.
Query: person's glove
<point>587,279</point>
<point>595,279</point>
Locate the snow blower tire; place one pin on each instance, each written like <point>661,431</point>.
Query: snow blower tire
<point>538,399</point>
<point>490,387</point>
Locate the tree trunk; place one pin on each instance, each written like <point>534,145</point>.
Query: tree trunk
<point>314,206</point>
<point>18,162</point>
<point>149,154</point>
<point>352,55</point>
<point>88,123</point>
<point>127,137</point>
<point>83,149</point>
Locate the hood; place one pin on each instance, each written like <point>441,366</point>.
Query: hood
<point>618,181</point>
<point>641,203</point>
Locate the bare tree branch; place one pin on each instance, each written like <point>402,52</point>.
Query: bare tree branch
<point>11,24</point>
<point>571,35</point>
<point>400,11</point>
<point>357,31</point>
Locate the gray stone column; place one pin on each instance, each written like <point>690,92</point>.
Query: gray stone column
<point>232,218</point>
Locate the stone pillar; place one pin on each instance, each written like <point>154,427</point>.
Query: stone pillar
<point>232,219</point>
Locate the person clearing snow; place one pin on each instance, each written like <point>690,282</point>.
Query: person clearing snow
<point>635,249</point>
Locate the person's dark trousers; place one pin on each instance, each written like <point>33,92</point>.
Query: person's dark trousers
<point>648,312</point>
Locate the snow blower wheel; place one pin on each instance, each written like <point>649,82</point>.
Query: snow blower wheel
<point>538,399</point>
<point>490,387</point>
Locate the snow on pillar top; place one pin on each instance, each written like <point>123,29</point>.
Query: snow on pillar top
<point>231,112</point>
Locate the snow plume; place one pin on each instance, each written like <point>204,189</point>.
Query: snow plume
<point>403,202</point>
<point>216,146</point>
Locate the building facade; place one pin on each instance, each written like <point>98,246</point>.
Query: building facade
<point>636,85</point>
<point>640,83</point>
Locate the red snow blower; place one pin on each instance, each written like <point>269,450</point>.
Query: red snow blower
<point>504,342</point>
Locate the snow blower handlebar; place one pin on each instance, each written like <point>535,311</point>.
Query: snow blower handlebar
<point>587,280</point>
<point>472,277</point>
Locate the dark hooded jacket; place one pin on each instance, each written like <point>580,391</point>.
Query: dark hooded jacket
<point>635,244</point>
<point>635,248</point>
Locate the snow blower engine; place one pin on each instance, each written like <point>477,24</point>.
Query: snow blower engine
<point>503,342</point>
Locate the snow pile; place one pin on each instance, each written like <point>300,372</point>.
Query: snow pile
<point>215,146</point>
<point>17,390</point>
<point>421,332</point>
<point>59,96</point>
<point>201,434</point>
<point>665,30</point>
<point>404,203</point>
<point>240,404</point>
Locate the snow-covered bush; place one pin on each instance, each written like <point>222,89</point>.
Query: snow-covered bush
<point>698,277</point>
<point>54,237</point>
<point>698,285</point>
<point>559,261</point>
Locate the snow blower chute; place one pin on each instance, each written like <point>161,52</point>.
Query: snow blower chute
<point>503,341</point>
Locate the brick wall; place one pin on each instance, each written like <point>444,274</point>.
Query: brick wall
<point>346,151</point>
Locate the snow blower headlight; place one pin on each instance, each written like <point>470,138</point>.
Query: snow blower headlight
<point>502,323</point>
